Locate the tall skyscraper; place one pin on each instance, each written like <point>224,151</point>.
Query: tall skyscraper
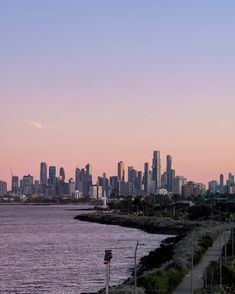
<point>156,169</point>
<point>52,177</point>
<point>62,174</point>
<point>168,173</point>
<point>146,177</point>
<point>3,188</point>
<point>15,184</point>
<point>221,183</point>
<point>43,173</point>
<point>78,179</point>
<point>139,182</point>
<point>121,171</point>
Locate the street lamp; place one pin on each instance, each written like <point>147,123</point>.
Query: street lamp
<point>136,248</point>
<point>107,259</point>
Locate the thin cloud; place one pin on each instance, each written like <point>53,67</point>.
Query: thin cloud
<point>36,125</point>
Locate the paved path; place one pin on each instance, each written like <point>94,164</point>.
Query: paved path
<point>212,254</point>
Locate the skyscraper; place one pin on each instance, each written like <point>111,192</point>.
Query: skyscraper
<point>62,174</point>
<point>78,179</point>
<point>14,184</point>
<point>52,177</point>
<point>156,169</point>
<point>146,177</point>
<point>3,188</point>
<point>221,183</point>
<point>121,171</point>
<point>168,173</point>
<point>43,173</point>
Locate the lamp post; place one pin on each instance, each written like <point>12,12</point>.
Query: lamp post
<point>136,248</point>
<point>192,261</point>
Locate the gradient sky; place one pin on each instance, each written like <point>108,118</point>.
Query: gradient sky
<point>102,81</point>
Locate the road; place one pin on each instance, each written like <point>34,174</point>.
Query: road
<point>212,254</point>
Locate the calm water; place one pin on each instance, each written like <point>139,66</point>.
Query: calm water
<point>43,250</point>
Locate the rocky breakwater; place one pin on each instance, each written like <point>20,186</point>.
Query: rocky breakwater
<point>152,225</point>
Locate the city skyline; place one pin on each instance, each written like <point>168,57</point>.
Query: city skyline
<point>113,80</point>
<point>70,172</point>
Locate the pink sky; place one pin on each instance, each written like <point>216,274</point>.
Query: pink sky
<point>114,82</point>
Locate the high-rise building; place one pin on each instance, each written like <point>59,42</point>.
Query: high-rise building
<point>62,175</point>
<point>121,171</point>
<point>230,180</point>
<point>146,177</point>
<point>28,185</point>
<point>168,173</point>
<point>114,183</point>
<point>156,169</point>
<point>105,186</point>
<point>3,188</point>
<point>52,178</point>
<point>78,179</point>
<point>177,185</point>
<point>15,184</point>
<point>139,182</point>
<point>43,173</point>
<point>221,183</point>
<point>213,187</point>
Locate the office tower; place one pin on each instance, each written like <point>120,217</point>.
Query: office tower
<point>132,175</point>
<point>62,175</point>
<point>230,180</point>
<point>37,187</point>
<point>15,184</point>
<point>78,179</point>
<point>3,188</point>
<point>52,177</point>
<point>164,181</point>
<point>177,185</point>
<point>43,173</point>
<point>139,182</point>
<point>213,187</point>
<point>146,177</point>
<point>28,185</point>
<point>105,186</point>
<point>114,186</point>
<point>156,169</point>
<point>71,187</point>
<point>121,171</point>
<point>168,173</point>
<point>221,181</point>
<point>89,177</point>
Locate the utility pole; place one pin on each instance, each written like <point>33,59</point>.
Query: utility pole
<point>192,261</point>
<point>225,248</point>
<point>220,262</point>
<point>136,248</point>
<point>232,242</point>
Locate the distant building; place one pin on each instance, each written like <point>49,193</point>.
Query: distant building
<point>15,184</point>
<point>169,173</point>
<point>43,173</point>
<point>3,188</point>
<point>28,185</point>
<point>213,187</point>
<point>121,171</point>
<point>156,169</point>
<point>146,177</point>
<point>52,179</point>
<point>177,185</point>
<point>62,175</point>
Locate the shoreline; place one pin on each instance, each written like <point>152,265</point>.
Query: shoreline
<point>150,225</point>
<point>155,259</point>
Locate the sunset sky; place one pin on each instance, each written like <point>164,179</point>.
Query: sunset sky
<point>102,81</point>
